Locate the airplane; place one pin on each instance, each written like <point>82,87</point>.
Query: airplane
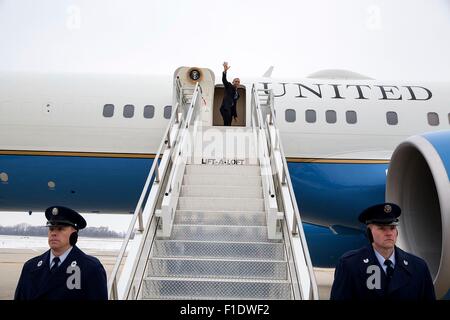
<point>87,141</point>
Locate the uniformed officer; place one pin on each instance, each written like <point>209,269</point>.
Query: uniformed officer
<point>64,271</point>
<point>381,271</point>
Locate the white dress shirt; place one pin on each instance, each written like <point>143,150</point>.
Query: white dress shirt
<point>381,259</point>
<point>61,257</point>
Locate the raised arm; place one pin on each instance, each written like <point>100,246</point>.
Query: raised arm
<point>224,74</point>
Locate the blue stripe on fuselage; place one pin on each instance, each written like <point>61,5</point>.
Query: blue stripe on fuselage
<point>336,193</point>
<point>327,193</point>
<point>87,184</point>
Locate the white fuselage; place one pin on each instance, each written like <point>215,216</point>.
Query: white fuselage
<point>65,113</point>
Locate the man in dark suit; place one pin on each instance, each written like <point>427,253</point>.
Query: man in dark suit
<point>63,272</point>
<point>230,97</point>
<point>381,271</point>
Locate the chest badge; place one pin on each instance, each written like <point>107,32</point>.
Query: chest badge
<point>73,264</point>
<point>366,260</point>
<point>39,263</point>
<point>405,262</point>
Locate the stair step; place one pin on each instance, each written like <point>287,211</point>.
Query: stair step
<point>220,218</point>
<point>220,233</point>
<point>247,170</point>
<point>221,191</point>
<point>163,288</point>
<point>221,180</point>
<point>213,268</point>
<point>220,204</point>
<point>224,250</point>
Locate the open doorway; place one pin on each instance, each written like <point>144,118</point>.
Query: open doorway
<point>240,108</point>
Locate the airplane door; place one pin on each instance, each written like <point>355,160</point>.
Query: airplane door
<point>188,77</point>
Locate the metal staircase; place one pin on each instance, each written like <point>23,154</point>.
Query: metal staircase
<point>217,222</point>
<point>218,228</point>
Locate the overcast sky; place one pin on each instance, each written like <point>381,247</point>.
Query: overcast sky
<point>384,39</point>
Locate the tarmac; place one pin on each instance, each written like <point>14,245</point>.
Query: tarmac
<point>12,260</point>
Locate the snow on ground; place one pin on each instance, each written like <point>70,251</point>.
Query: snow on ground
<point>25,242</point>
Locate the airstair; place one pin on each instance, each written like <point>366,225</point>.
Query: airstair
<point>217,218</point>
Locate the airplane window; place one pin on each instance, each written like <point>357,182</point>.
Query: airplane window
<point>108,110</point>
<point>310,116</point>
<point>290,115</point>
<point>149,111</point>
<point>449,118</point>
<point>128,111</point>
<point>330,116</point>
<point>433,119</point>
<point>392,118</point>
<point>351,117</point>
<point>167,112</point>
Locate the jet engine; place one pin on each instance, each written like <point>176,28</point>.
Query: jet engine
<point>419,181</point>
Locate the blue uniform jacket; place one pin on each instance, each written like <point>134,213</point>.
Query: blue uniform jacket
<point>37,282</point>
<point>411,279</point>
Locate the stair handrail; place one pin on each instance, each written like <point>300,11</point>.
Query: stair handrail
<point>259,124</point>
<point>180,158</point>
<point>154,173</point>
<point>273,215</point>
<point>297,228</point>
<point>186,125</point>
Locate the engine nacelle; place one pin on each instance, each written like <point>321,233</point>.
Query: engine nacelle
<point>419,181</point>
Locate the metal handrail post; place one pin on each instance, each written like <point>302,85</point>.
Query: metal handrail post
<point>141,223</point>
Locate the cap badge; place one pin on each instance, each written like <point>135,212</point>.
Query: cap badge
<point>39,263</point>
<point>387,209</point>
<point>366,260</point>
<point>55,211</point>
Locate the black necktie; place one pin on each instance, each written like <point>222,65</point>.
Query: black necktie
<point>389,268</point>
<point>55,264</point>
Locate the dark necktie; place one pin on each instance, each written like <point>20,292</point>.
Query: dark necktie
<point>389,268</point>
<point>55,264</point>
